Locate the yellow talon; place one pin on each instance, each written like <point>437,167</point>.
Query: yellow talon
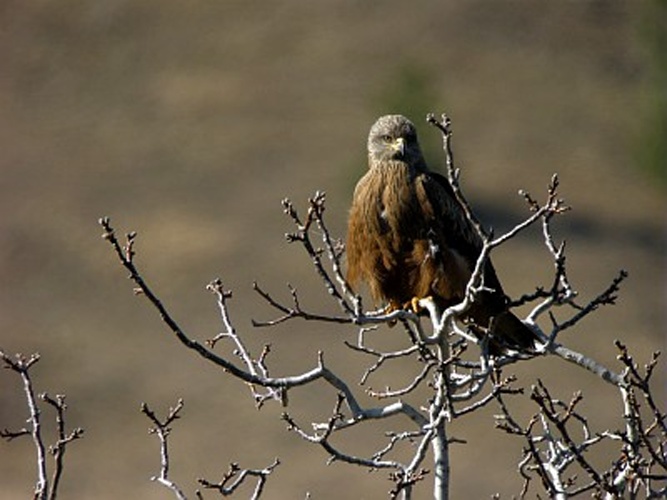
<point>414,304</point>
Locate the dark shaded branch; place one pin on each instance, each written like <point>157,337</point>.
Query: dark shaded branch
<point>293,312</point>
<point>64,438</point>
<point>236,476</point>
<point>315,215</point>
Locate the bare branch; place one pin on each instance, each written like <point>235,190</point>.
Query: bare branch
<point>64,438</point>
<point>292,312</point>
<point>453,173</point>
<point>347,302</point>
<point>21,365</point>
<point>552,450</point>
<point>282,383</point>
<point>43,488</point>
<point>236,476</point>
<point>323,440</point>
<point>162,429</point>
<point>230,481</point>
<point>387,393</point>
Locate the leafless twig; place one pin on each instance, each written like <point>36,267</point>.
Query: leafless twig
<point>231,480</point>
<point>552,450</point>
<point>236,476</point>
<point>44,489</point>
<point>162,429</point>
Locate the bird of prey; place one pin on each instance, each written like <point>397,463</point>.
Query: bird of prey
<point>408,238</point>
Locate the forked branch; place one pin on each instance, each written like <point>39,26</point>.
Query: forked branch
<point>44,488</point>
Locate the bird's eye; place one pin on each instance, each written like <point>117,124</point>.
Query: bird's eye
<point>386,138</point>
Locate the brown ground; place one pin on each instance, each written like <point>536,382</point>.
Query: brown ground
<point>188,122</point>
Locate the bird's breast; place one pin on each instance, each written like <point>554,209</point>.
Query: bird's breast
<point>388,204</point>
<point>398,206</point>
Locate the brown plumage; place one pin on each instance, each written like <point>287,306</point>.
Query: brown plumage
<point>408,237</point>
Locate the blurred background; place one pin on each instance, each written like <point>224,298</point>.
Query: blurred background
<point>190,121</point>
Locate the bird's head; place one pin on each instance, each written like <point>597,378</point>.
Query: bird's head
<point>394,138</point>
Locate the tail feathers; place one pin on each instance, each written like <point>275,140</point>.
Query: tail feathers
<point>507,333</point>
<point>510,332</point>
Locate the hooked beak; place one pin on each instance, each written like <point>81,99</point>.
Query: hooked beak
<point>399,146</point>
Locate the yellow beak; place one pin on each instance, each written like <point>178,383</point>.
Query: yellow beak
<point>399,145</point>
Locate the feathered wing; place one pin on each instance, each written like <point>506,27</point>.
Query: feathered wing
<point>353,242</point>
<point>455,248</point>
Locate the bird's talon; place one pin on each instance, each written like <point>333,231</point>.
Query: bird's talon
<point>391,307</point>
<point>414,304</point>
